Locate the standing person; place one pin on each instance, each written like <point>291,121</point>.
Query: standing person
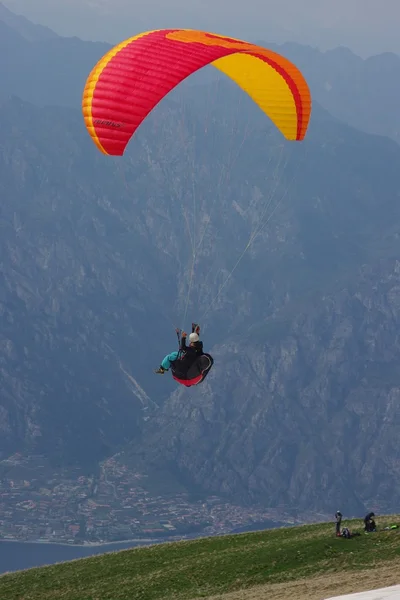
<point>338,517</point>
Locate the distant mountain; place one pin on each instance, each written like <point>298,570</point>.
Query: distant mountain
<point>51,70</point>
<point>362,93</point>
<point>100,259</point>
<point>96,271</point>
<point>300,410</point>
<point>24,27</point>
<point>46,71</point>
<point>75,311</point>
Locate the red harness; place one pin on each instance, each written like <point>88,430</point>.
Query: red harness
<point>189,382</point>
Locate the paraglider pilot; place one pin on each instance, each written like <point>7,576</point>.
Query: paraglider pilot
<point>189,365</point>
<point>369,523</point>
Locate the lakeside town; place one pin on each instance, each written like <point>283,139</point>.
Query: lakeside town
<point>38,504</point>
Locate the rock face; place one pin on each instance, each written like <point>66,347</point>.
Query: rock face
<point>311,420</point>
<point>287,254</point>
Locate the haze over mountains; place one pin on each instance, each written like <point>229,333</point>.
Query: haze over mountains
<point>363,25</point>
<point>301,408</point>
<point>362,93</point>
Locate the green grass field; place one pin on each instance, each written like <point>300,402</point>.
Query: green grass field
<point>202,568</point>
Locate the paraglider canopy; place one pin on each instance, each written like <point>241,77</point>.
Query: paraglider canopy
<point>135,75</point>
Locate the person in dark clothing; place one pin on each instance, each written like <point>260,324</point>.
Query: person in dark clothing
<point>369,523</point>
<point>338,517</point>
<point>189,365</point>
<point>346,533</point>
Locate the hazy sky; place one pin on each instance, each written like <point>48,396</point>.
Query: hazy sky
<point>366,26</point>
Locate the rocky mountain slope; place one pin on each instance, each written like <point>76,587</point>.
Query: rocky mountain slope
<point>100,259</point>
<point>96,261</point>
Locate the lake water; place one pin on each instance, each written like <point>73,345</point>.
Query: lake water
<point>15,556</point>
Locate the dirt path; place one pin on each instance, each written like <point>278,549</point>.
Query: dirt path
<point>319,588</point>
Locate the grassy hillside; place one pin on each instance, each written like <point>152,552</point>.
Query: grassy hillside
<point>202,568</point>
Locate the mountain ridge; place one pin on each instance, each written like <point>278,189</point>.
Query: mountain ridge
<point>102,304</point>
<point>360,92</point>
<point>97,270</point>
<point>28,30</point>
